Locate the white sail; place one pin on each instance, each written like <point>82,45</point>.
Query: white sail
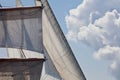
<point>48,72</point>
<point>58,48</point>
<point>33,71</point>
<point>21,28</point>
<point>15,53</point>
<point>60,59</point>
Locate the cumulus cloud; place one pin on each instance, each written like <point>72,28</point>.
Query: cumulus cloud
<point>97,24</point>
<point>112,54</point>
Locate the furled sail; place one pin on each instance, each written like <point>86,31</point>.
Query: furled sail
<point>58,48</point>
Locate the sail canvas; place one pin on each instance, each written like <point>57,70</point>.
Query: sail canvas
<point>21,28</point>
<point>60,63</point>
<point>58,48</point>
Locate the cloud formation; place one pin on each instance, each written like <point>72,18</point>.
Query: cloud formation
<point>97,24</point>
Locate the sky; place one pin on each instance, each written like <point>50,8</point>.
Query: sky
<point>89,30</point>
<point>92,28</point>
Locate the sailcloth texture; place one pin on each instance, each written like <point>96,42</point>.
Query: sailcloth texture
<point>61,63</point>
<point>21,28</point>
<point>49,71</point>
<point>57,47</point>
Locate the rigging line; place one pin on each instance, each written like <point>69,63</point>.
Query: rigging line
<point>22,35</point>
<point>22,53</point>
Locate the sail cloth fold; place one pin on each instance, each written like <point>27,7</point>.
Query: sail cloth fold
<point>21,28</point>
<point>58,48</point>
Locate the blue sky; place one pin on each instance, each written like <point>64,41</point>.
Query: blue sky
<point>92,68</point>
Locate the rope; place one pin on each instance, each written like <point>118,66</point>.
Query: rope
<point>22,53</point>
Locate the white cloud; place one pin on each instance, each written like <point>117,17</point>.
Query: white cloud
<point>97,24</point>
<point>112,54</point>
<point>108,53</point>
